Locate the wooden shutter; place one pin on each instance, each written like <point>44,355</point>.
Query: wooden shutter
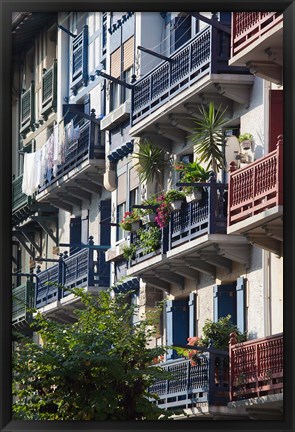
<point>224,302</point>
<point>275,117</point>
<point>192,314</point>
<point>241,304</point>
<point>128,53</point>
<point>133,178</point>
<point>116,63</point>
<point>121,189</point>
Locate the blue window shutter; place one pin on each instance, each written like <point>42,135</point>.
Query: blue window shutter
<point>192,314</point>
<point>224,302</point>
<point>75,234</point>
<point>215,303</point>
<point>241,304</point>
<point>169,327</point>
<point>85,56</point>
<point>177,323</point>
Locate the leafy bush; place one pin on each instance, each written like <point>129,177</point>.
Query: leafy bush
<point>219,332</point>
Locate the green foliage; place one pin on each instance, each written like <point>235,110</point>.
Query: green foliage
<point>129,251</point>
<point>245,136</point>
<point>192,172</point>
<point>219,333</point>
<point>208,136</point>
<point>150,162</point>
<point>95,369</point>
<point>174,195</point>
<point>149,239</point>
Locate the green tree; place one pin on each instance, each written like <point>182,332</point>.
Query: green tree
<point>98,368</point>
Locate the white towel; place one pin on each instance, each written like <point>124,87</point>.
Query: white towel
<point>29,175</point>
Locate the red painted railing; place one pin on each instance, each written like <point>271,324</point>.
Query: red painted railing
<point>256,367</point>
<point>247,27</point>
<point>257,187</point>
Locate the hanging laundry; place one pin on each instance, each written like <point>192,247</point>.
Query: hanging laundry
<point>61,134</point>
<point>29,174</point>
<point>39,174</point>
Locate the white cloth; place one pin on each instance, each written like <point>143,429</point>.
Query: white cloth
<point>29,175</point>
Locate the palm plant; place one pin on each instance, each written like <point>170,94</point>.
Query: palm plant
<point>151,162</point>
<point>208,136</point>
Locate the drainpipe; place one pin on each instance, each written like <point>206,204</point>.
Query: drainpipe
<point>266,292</point>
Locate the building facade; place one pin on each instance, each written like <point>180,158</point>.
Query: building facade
<point>88,90</point>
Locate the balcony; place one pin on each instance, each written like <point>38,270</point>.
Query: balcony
<point>80,175</point>
<point>257,372</point>
<point>203,386</point>
<point>84,269</point>
<point>257,42</point>
<point>49,90</point>
<point>22,301</point>
<point>194,242</point>
<point>174,88</point>
<point>255,207</point>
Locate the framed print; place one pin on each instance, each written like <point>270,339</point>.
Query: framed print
<point>147,223</point>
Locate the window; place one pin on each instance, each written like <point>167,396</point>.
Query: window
<point>133,198</point>
<point>180,32</point>
<point>122,60</point>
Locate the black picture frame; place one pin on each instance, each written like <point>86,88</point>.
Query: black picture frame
<point>7,7</point>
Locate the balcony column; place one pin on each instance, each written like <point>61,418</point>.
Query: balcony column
<point>90,262</point>
<point>212,198</point>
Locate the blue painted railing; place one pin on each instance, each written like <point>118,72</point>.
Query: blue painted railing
<point>207,53</point>
<point>205,382</point>
<point>87,147</point>
<point>193,220</point>
<point>197,218</point>
<point>84,268</point>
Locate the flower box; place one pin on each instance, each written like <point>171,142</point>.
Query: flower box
<point>176,205</point>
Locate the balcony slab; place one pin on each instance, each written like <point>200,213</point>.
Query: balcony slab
<point>209,84</point>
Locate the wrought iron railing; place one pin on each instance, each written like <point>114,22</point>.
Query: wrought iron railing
<point>86,147</point>
<point>142,253</point>
<point>207,53</point>
<point>207,381</point>
<point>84,268</point>
<point>257,187</point>
<point>22,303</point>
<point>197,218</point>
<point>194,219</point>
<point>19,199</point>
<point>256,367</point>
<point>248,27</point>
<point>49,89</point>
<point>27,114</point>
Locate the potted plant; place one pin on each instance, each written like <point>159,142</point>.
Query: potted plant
<point>208,136</point>
<point>150,213</point>
<point>129,251</point>
<point>246,140</point>
<point>130,221</point>
<point>149,239</point>
<point>192,172</point>
<point>150,162</point>
<point>175,198</point>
